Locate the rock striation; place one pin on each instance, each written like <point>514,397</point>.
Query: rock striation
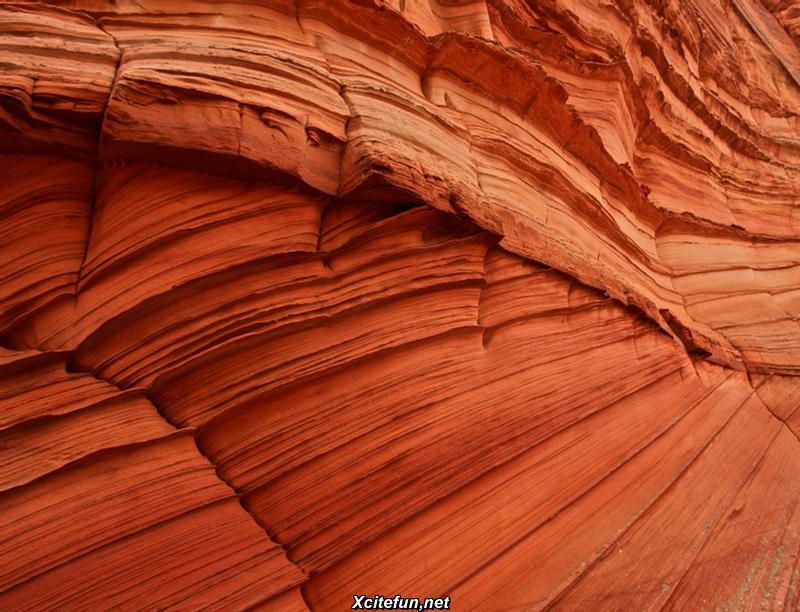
<point>490,299</point>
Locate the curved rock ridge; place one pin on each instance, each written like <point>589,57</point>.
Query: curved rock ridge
<point>649,149</point>
<point>480,299</point>
<point>105,505</point>
<point>399,405</point>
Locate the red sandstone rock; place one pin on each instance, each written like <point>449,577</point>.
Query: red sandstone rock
<point>495,300</point>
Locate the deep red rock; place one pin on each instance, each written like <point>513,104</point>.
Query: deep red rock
<point>495,300</point>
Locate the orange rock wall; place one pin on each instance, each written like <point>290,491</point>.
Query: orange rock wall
<point>495,300</point>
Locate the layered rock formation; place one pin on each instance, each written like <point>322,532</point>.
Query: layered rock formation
<point>490,299</point>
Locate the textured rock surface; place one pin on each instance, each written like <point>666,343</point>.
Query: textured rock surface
<point>496,300</point>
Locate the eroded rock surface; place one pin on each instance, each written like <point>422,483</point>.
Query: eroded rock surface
<point>496,300</point>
